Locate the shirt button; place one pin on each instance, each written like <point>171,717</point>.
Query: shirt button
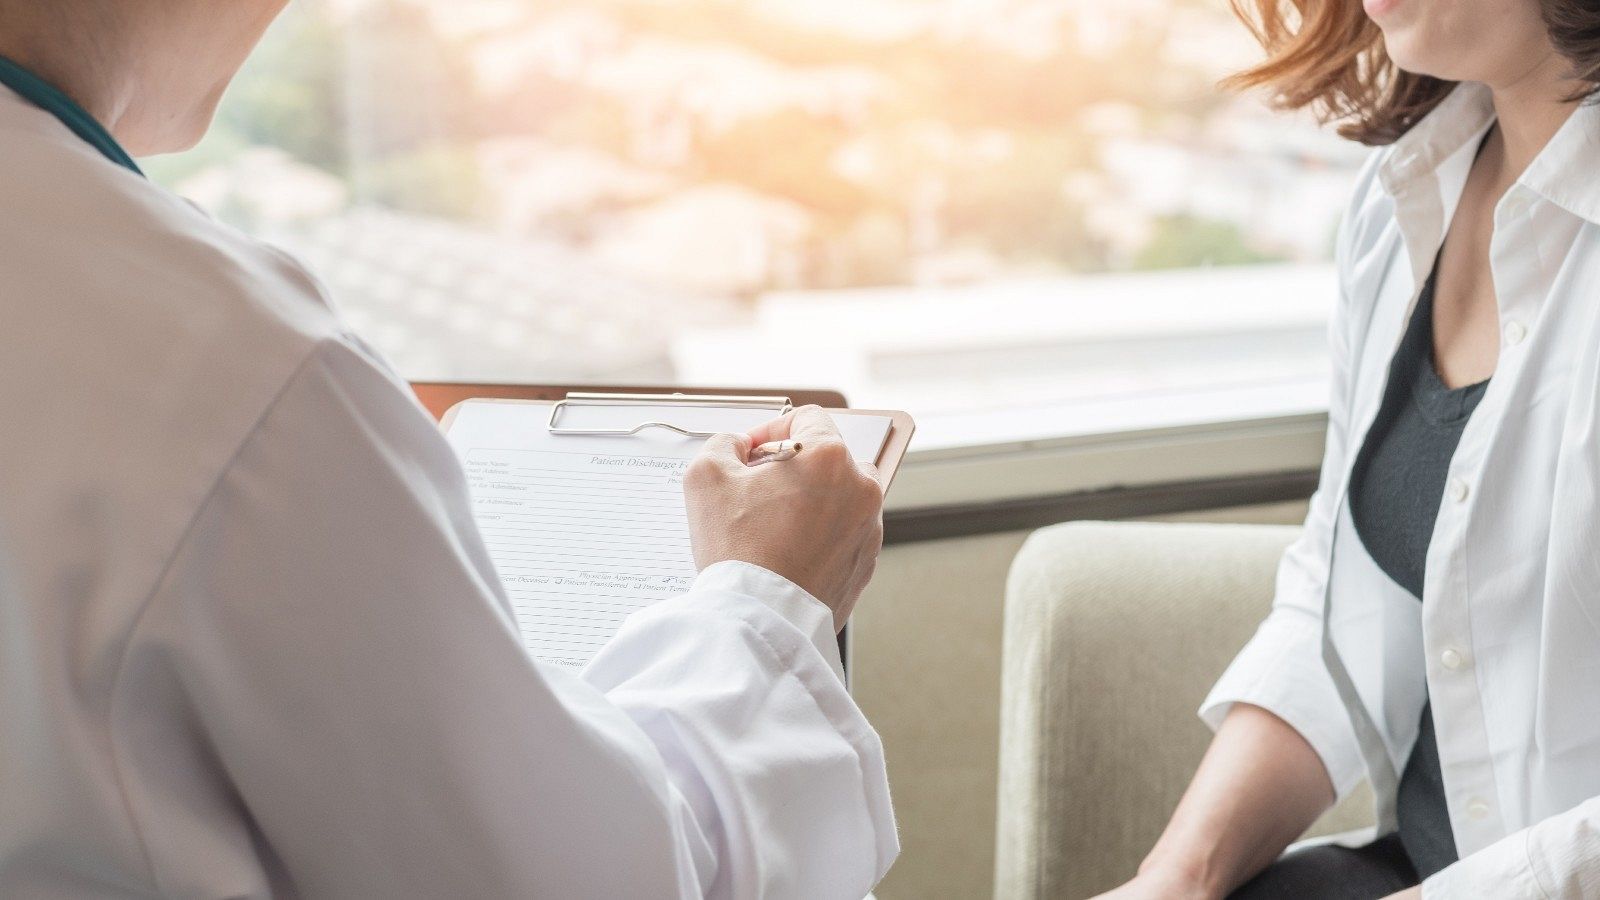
<point>1457,489</point>
<point>1452,659</point>
<point>1477,810</point>
<point>1515,332</point>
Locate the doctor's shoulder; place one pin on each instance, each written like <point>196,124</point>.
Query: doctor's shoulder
<point>134,255</point>
<point>121,289</point>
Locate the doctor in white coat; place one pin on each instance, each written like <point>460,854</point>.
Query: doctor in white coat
<point>250,642</point>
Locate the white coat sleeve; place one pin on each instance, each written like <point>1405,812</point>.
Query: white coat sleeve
<point>1281,669</point>
<point>1556,858</point>
<point>338,630</point>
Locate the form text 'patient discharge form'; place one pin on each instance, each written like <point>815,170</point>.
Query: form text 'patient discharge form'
<point>586,529</point>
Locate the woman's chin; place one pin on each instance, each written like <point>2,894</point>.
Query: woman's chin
<point>1403,47</point>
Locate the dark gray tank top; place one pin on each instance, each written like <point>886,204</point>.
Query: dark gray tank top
<point>1395,490</point>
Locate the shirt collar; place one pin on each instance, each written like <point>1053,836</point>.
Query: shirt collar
<point>1564,172</point>
<point>1464,114</point>
<point>1561,173</point>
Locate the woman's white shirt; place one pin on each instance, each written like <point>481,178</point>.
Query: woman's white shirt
<point>251,644</point>
<point>1506,641</point>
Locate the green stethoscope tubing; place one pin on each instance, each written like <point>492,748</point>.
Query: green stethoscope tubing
<point>49,98</point>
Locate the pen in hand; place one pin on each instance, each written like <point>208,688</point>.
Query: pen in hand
<point>773,451</point>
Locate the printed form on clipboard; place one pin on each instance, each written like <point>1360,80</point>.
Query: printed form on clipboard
<point>581,502</point>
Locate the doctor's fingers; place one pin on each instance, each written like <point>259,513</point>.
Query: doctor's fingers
<point>805,423</point>
<point>871,471</point>
<point>776,430</point>
<point>811,424</point>
<point>725,452</point>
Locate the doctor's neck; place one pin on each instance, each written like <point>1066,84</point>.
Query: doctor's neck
<point>149,71</point>
<point>72,45</point>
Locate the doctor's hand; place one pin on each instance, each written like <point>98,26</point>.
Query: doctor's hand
<point>816,519</point>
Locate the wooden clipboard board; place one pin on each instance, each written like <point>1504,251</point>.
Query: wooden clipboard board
<point>442,398</point>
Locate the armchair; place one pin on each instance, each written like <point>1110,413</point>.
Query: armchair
<point>1114,632</point>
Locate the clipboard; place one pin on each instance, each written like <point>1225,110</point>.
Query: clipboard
<point>438,396</point>
<point>442,399</point>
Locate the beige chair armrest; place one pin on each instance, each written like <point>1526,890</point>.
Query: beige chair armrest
<point>1114,632</point>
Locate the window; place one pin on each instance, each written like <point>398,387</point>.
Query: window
<point>1011,217</point>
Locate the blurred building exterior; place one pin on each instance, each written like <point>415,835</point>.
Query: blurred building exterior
<point>623,189</point>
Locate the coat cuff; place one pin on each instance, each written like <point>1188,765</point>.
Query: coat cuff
<point>1281,670</point>
<point>782,596</point>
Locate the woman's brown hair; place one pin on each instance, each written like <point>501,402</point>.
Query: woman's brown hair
<point>1327,55</point>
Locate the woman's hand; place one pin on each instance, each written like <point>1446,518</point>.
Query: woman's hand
<point>1166,886</point>
<point>1159,885</point>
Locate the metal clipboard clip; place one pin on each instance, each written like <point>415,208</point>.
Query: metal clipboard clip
<point>779,406</point>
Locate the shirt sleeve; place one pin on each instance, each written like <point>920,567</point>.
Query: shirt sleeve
<point>1282,669</point>
<point>335,623</point>
<point>1556,858</point>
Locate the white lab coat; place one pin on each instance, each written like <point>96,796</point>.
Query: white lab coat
<point>1506,640</point>
<point>251,644</point>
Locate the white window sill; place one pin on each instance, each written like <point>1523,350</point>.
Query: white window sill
<point>1125,441</point>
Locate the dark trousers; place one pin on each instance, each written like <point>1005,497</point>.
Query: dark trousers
<point>1329,872</point>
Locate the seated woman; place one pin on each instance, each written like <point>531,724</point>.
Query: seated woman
<point>1437,627</point>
